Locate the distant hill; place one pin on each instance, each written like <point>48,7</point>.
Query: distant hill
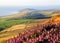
<point>32,14</point>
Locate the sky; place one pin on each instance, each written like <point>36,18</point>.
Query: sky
<point>29,2</point>
<point>16,4</point>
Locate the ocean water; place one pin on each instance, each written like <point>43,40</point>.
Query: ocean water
<point>8,10</point>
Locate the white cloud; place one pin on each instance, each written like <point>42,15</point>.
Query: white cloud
<point>29,2</point>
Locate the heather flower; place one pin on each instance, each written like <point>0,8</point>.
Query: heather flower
<point>48,33</point>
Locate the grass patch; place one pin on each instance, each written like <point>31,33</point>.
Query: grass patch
<point>8,23</point>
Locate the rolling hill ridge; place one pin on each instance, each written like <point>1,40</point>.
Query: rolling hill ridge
<point>32,14</point>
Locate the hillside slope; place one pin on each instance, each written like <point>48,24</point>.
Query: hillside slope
<point>48,32</point>
<point>54,20</point>
<point>13,31</point>
<point>32,14</point>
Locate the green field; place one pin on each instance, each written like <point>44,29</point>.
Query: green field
<point>8,23</point>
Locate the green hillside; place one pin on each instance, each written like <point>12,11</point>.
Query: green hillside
<point>6,24</point>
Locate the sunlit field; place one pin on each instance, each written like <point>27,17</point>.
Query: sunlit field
<point>47,32</point>
<point>11,28</point>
